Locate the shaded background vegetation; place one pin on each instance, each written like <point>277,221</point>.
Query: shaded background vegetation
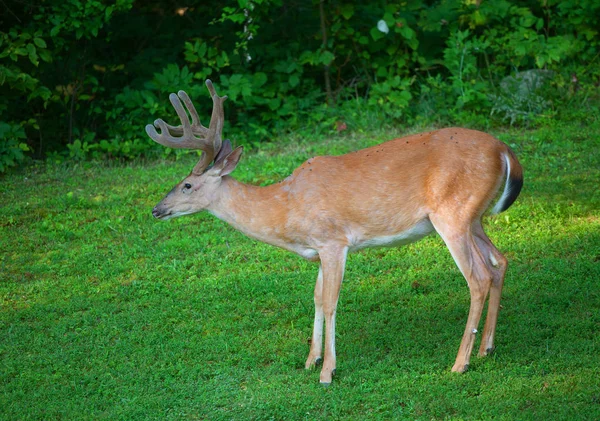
<point>80,78</point>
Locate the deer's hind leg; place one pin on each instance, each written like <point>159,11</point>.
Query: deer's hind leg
<point>475,266</point>
<point>497,265</point>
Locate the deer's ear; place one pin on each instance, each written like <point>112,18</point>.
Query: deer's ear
<point>224,151</point>
<point>228,163</point>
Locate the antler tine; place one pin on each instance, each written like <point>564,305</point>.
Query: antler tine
<point>215,128</point>
<point>197,127</point>
<point>217,118</point>
<point>166,137</point>
<point>194,135</point>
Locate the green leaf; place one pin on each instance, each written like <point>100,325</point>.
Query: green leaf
<point>347,11</point>
<point>235,79</point>
<point>274,103</point>
<point>539,24</point>
<point>326,57</point>
<point>45,55</point>
<point>44,93</point>
<point>376,34</point>
<point>389,19</point>
<point>259,79</point>
<point>40,42</point>
<point>108,12</point>
<point>33,57</point>
<point>407,32</point>
<point>4,128</point>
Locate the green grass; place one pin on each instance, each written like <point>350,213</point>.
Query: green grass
<point>106,313</point>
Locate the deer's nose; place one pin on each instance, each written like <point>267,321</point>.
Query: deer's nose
<point>156,212</point>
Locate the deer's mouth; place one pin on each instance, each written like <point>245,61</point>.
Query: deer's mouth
<point>162,214</point>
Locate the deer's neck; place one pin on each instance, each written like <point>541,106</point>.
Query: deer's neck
<point>259,212</point>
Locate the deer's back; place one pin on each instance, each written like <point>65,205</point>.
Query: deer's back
<point>392,187</point>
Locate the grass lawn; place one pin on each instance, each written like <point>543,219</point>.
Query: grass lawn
<point>107,313</point>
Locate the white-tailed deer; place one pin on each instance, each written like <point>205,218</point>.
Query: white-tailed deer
<point>387,195</point>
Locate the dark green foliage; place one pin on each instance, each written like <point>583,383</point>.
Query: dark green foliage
<point>12,146</point>
<point>80,78</point>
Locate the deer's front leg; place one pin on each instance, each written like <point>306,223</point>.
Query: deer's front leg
<point>333,261</point>
<point>316,344</point>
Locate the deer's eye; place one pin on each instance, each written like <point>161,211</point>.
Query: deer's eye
<point>187,186</point>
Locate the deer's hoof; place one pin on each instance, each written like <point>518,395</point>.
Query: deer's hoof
<point>460,368</point>
<point>313,362</point>
<point>326,377</point>
<point>486,352</point>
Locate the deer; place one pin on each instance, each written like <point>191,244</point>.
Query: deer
<point>387,195</point>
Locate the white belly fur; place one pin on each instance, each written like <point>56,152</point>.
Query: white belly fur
<point>414,233</point>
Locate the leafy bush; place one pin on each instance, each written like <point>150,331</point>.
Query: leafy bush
<point>86,76</point>
<point>12,145</point>
<point>522,95</point>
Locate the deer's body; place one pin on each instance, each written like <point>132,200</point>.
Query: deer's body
<point>387,195</point>
<point>385,206</point>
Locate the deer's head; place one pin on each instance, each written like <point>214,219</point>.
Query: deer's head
<point>195,192</point>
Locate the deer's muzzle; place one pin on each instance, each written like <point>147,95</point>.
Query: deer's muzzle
<point>159,212</point>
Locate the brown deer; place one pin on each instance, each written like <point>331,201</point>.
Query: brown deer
<point>386,195</point>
